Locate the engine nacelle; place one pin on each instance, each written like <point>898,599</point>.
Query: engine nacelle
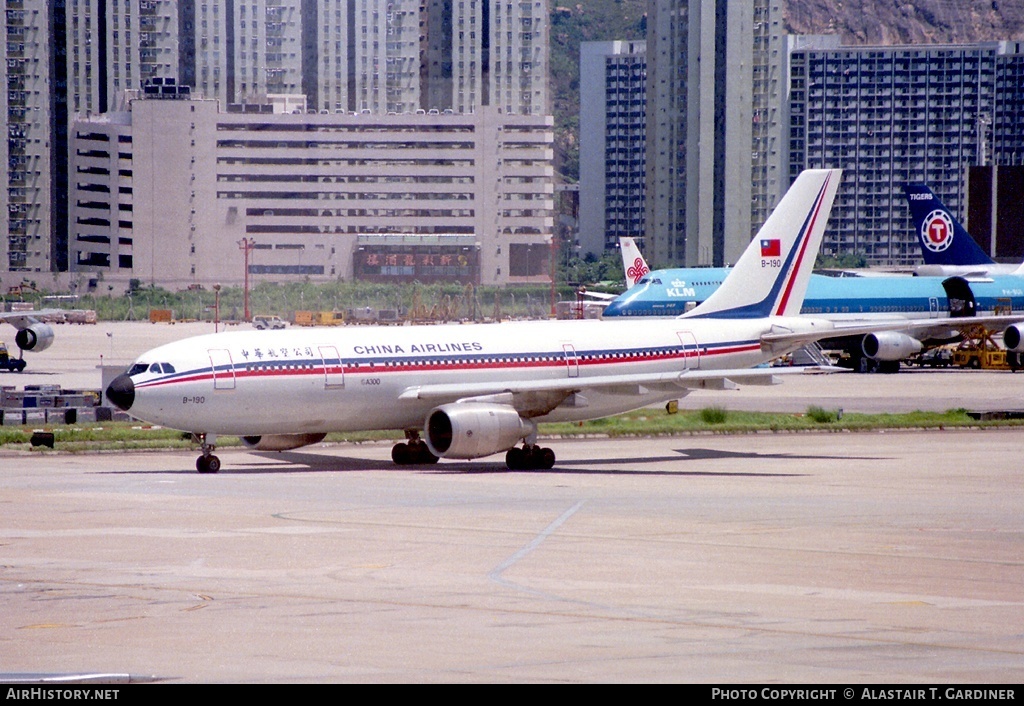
<point>474,429</point>
<point>281,442</point>
<point>36,337</point>
<point>1013,338</point>
<point>890,345</point>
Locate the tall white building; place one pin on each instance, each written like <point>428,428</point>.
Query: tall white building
<point>33,102</point>
<point>343,55</point>
<point>712,85</point>
<point>336,58</point>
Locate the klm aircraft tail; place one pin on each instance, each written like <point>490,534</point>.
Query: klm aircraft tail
<point>770,278</point>
<point>633,263</point>
<point>943,240</point>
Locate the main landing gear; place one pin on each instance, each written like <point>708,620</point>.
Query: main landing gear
<point>529,458</point>
<point>207,463</point>
<point>412,452</point>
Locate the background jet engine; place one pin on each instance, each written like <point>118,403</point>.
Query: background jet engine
<point>281,442</point>
<point>890,346</point>
<point>1013,338</point>
<point>473,429</point>
<point>36,337</point>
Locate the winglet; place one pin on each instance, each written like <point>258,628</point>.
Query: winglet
<point>770,278</point>
<point>633,263</point>
<point>943,240</point>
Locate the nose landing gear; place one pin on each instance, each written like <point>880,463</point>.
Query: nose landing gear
<point>207,463</point>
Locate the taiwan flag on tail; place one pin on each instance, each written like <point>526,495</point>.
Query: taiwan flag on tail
<point>771,248</point>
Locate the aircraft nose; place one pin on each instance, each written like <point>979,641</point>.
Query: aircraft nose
<point>121,391</point>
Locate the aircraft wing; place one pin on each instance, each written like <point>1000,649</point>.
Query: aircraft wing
<point>537,397</point>
<point>782,340</point>
<point>24,319</point>
<point>603,296</point>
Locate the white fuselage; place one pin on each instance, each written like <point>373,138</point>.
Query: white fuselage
<point>360,378</point>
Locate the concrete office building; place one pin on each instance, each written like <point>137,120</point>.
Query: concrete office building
<point>889,115</point>
<point>385,198</point>
<point>714,92</point>
<point>613,119</point>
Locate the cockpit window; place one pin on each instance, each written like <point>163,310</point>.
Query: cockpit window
<point>138,368</point>
<point>168,368</point>
<point>154,368</point>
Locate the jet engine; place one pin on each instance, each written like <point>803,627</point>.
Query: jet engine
<point>36,337</point>
<point>1013,338</point>
<point>474,429</point>
<point>890,346</point>
<point>281,442</point>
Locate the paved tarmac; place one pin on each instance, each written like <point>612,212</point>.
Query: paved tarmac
<point>829,557</point>
<point>772,558</point>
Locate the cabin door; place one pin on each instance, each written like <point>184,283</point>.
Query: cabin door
<point>334,371</point>
<point>572,360</point>
<point>223,369</point>
<point>690,350</point>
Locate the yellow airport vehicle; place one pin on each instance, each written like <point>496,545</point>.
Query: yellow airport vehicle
<point>14,365</point>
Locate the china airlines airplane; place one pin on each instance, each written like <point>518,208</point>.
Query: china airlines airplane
<point>468,391</point>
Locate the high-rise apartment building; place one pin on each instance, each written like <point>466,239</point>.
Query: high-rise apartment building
<point>713,95</point>
<point>895,114</point>
<point>343,55</point>
<point>34,104</point>
<point>394,61</point>
<point>613,118</point>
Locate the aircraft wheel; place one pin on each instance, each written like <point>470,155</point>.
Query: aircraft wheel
<point>19,366</point>
<point>515,459</point>
<point>400,454</point>
<point>545,459</point>
<point>420,453</point>
<point>207,464</point>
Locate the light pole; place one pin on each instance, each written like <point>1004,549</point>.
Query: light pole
<point>216,308</point>
<point>246,245</point>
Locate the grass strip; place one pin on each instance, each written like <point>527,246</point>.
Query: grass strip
<point>116,436</point>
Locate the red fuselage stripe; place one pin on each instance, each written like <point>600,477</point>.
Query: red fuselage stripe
<point>259,371</point>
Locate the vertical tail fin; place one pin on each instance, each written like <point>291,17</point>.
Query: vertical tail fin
<point>633,263</point>
<point>943,240</point>
<point>770,278</point>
